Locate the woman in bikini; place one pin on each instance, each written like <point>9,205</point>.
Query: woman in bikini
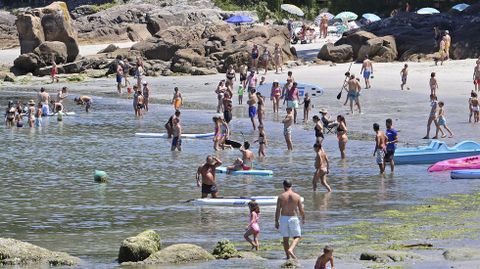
<point>342,135</point>
<point>433,117</point>
<point>231,75</point>
<point>275,96</point>
<point>260,108</point>
<point>266,58</point>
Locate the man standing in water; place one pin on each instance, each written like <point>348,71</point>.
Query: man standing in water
<point>286,219</point>
<point>177,133</point>
<point>119,76</point>
<point>252,109</point>
<point>391,143</point>
<point>169,124</point>
<point>367,70</point>
<point>354,89</point>
<point>287,128</point>
<point>380,146</point>
<point>293,100</point>
<point>207,172</point>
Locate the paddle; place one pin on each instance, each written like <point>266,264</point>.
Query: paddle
<point>339,95</point>
<point>232,143</point>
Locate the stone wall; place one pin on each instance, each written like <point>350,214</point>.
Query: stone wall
<point>40,3</point>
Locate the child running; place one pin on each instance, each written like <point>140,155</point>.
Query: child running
<point>307,106</point>
<point>442,121</point>
<point>253,228</point>
<point>325,258</point>
<point>404,75</point>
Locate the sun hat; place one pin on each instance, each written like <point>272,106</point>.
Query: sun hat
<point>323,110</point>
<point>31,102</point>
<point>144,82</point>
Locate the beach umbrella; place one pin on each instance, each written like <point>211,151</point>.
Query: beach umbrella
<point>240,19</point>
<point>460,7</point>
<point>346,16</point>
<point>427,11</point>
<point>371,17</point>
<point>318,19</point>
<point>292,9</point>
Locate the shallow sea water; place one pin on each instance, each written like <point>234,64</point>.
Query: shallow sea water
<point>49,198</point>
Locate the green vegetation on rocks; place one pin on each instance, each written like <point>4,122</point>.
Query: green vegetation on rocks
<point>139,247</point>
<point>224,250</point>
<point>15,252</point>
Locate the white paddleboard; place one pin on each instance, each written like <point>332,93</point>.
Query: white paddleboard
<point>165,135</point>
<point>71,113</point>
<point>312,90</point>
<point>238,201</point>
<point>253,172</point>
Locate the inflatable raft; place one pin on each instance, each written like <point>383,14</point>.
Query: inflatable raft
<point>253,172</point>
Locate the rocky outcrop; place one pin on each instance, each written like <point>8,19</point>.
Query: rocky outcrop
<point>414,33</point>
<point>388,256</point>
<point>8,31</point>
<point>50,23</point>
<point>461,254</point>
<point>49,50</point>
<point>337,54</point>
<point>139,247</point>
<point>358,45</point>
<point>211,47</point>
<point>15,252</point>
<point>179,253</point>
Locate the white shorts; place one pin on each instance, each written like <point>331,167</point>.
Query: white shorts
<point>292,104</point>
<point>290,226</point>
<point>380,154</point>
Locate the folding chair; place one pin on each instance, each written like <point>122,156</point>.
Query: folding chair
<point>329,127</point>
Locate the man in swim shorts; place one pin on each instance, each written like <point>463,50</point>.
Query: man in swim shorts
<point>169,125</point>
<point>476,76</point>
<point>380,147</point>
<point>84,100</point>
<point>177,133</point>
<point>287,128</point>
<point>207,173</point>
<point>252,109</point>
<point>367,70</point>
<point>286,219</point>
<point>354,89</point>
<point>119,76</point>
<point>392,139</point>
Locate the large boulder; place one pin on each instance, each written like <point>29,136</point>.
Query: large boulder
<point>338,54</point>
<point>8,31</point>
<point>139,247</point>
<point>50,23</point>
<point>179,253</point>
<point>30,32</point>
<point>356,40</point>
<point>48,49</point>
<point>26,63</point>
<point>414,32</point>
<point>15,252</point>
<point>379,49</point>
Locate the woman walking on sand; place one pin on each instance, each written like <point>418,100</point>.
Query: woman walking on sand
<point>433,117</point>
<point>266,58</point>
<point>342,135</point>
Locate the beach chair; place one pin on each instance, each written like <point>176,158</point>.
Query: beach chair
<point>329,127</point>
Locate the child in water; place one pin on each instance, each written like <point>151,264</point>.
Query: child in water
<point>240,94</point>
<point>325,258</point>
<point>262,141</point>
<point>253,228</point>
<point>307,106</point>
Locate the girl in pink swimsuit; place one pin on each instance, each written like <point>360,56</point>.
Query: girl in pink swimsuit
<point>253,228</point>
